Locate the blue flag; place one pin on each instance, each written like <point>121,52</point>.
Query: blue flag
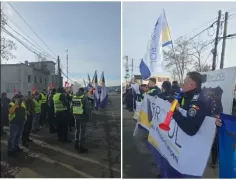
<point>227,147</point>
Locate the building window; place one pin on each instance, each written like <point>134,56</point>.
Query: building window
<point>40,80</point>
<point>45,80</point>
<point>35,79</point>
<point>29,78</point>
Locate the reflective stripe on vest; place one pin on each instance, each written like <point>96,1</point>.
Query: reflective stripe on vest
<point>151,91</point>
<point>37,106</point>
<point>182,102</point>
<point>12,116</point>
<point>43,98</point>
<point>77,105</point>
<point>58,105</point>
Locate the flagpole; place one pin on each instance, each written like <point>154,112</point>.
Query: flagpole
<point>172,44</point>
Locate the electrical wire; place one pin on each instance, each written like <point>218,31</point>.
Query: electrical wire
<point>30,27</point>
<point>40,50</point>
<point>213,19</point>
<point>9,19</point>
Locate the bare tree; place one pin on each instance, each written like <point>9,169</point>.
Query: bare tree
<point>198,53</point>
<point>187,56</point>
<point>7,45</point>
<point>177,60</point>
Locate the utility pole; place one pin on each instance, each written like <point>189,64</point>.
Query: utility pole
<point>216,41</point>
<point>59,71</point>
<point>224,41</point>
<point>67,64</point>
<point>132,68</point>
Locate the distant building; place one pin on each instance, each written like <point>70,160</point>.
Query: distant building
<point>23,77</point>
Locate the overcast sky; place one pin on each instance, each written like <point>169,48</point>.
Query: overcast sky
<point>183,18</point>
<point>89,30</point>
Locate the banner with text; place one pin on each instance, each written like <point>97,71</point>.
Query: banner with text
<point>180,150</point>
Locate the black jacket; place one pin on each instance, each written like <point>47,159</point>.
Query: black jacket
<point>167,96</point>
<point>197,109</point>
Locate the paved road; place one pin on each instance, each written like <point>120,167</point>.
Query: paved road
<point>137,160</point>
<point>47,158</point>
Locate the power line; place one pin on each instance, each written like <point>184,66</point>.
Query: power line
<point>31,49</point>
<point>24,38</point>
<point>24,33</point>
<point>30,27</point>
<point>211,26</point>
<point>215,18</point>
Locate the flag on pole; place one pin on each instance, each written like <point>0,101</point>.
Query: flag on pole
<point>100,80</point>
<point>89,80</point>
<point>153,61</point>
<point>96,95</point>
<point>93,80</point>
<point>103,97</point>
<point>85,84</point>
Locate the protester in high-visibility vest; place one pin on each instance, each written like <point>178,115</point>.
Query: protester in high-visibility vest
<point>81,112</point>
<point>17,117</point>
<point>153,89</point>
<point>28,124</point>
<point>60,108</point>
<point>36,118</point>
<point>143,91</point>
<point>43,99</point>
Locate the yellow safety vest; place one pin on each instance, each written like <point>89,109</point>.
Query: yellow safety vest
<point>77,105</point>
<point>58,105</point>
<point>37,106</point>
<point>12,116</point>
<point>43,98</point>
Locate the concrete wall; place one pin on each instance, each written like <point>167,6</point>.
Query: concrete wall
<point>10,78</point>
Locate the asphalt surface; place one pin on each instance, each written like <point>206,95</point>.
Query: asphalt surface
<point>137,160</point>
<point>47,158</point>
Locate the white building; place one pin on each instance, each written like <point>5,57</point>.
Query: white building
<point>25,76</point>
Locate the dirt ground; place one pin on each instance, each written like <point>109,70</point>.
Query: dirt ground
<point>47,158</point>
<point>137,160</point>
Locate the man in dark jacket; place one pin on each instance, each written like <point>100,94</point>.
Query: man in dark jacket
<point>81,111</point>
<point>153,89</point>
<point>175,89</point>
<point>51,118</point>
<point>194,103</point>
<point>43,99</point>
<point>69,113</point>
<point>60,108</point>
<point>166,92</point>
<point>30,110</point>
